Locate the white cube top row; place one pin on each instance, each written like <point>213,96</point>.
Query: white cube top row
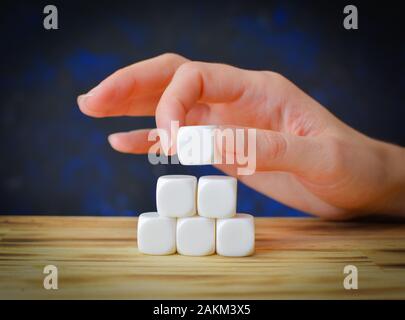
<point>176,196</point>
<point>196,236</point>
<point>180,196</point>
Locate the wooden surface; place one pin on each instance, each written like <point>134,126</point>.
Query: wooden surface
<point>295,258</point>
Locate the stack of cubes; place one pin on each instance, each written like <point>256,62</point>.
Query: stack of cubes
<point>176,226</point>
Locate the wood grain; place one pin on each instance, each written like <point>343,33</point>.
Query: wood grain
<point>97,258</point>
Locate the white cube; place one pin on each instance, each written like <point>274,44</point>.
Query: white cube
<point>235,236</point>
<point>156,234</point>
<point>195,236</point>
<point>176,196</point>
<point>196,145</point>
<point>216,196</point>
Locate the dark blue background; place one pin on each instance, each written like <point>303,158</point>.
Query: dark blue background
<point>55,160</point>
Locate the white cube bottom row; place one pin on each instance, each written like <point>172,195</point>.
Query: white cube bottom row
<point>196,235</point>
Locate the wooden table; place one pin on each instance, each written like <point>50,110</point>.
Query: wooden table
<point>97,258</point>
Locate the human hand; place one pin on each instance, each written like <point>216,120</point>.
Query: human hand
<point>306,157</point>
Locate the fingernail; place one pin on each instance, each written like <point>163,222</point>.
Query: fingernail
<point>92,91</point>
<point>83,97</point>
<point>111,138</point>
<point>81,100</point>
<point>114,136</point>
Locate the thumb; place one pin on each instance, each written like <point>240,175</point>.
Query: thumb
<point>266,150</point>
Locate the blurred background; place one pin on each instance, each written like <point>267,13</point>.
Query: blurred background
<point>55,160</point>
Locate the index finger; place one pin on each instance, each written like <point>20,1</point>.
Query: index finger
<point>133,90</point>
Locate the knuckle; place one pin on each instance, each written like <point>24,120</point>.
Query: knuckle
<point>172,57</point>
<point>273,148</point>
<point>277,146</point>
<point>274,76</point>
<point>190,67</point>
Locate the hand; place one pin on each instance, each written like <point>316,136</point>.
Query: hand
<point>306,157</point>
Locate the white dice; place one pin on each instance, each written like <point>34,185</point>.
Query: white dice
<point>217,196</point>
<point>195,236</point>
<point>176,196</point>
<point>156,234</point>
<point>196,145</point>
<point>176,227</point>
<point>236,236</point>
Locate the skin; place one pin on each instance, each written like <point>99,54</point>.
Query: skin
<point>306,157</point>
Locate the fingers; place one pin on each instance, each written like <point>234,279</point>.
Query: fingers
<point>250,149</point>
<point>266,150</point>
<point>134,90</point>
<point>196,82</point>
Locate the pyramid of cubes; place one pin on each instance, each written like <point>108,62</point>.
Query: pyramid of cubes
<point>196,219</point>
